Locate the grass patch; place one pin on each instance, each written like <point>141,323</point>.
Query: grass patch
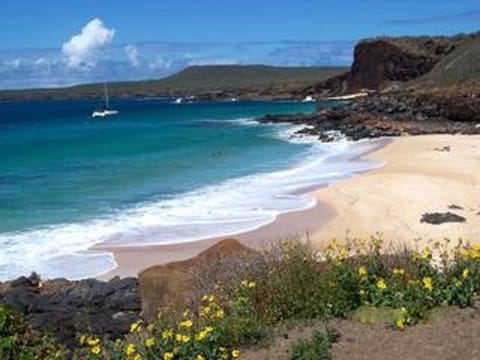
<point>317,348</point>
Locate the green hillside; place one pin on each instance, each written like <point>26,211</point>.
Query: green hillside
<point>461,66</point>
<point>248,80</point>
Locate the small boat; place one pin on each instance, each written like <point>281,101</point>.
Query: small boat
<point>309,98</point>
<point>105,111</point>
<point>178,101</point>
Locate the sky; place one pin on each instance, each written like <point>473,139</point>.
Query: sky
<point>61,42</point>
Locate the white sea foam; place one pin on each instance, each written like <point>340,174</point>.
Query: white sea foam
<point>234,206</point>
<point>238,121</point>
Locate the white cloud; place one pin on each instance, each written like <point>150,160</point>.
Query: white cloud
<point>160,64</point>
<point>81,49</point>
<point>212,61</point>
<point>15,63</point>
<point>132,55</point>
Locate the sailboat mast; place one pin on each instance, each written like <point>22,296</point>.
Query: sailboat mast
<point>106,95</point>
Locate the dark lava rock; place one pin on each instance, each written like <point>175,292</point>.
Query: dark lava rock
<point>68,307</point>
<point>455,207</point>
<point>441,218</point>
<point>392,114</point>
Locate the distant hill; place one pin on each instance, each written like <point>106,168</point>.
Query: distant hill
<point>209,81</point>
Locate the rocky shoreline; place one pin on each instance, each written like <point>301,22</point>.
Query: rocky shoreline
<point>68,308</point>
<point>392,114</point>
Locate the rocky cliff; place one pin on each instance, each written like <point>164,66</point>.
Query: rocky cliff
<point>389,62</point>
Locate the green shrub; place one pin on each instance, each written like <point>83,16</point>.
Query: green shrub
<point>317,348</point>
<point>198,335</point>
<point>288,282</point>
<point>19,342</point>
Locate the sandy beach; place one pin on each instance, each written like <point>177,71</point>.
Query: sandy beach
<point>422,174</point>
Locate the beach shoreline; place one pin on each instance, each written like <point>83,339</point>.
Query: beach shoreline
<point>296,224</point>
<point>422,174</point>
<point>419,176</point>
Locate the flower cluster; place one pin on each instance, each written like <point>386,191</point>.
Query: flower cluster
<point>414,282</point>
<point>195,336</point>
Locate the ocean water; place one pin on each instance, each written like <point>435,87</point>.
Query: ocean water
<point>158,173</point>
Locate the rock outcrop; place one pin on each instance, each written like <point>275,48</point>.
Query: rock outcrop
<point>178,283</point>
<point>391,62</point>
<point>392,114</point>
<point>67,308</point>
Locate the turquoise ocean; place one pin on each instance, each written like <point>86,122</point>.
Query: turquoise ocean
<point>157,173</point>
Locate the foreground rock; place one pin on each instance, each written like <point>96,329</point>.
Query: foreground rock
<point>107,309</point>
<point>441,218</point>
<point>69,307</point>
<point>182,283</point>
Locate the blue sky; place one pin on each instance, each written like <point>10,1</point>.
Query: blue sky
<point>152,38</point>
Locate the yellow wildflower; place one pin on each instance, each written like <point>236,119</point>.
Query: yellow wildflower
<point>186,324</point>
<point>361,292</point>
<point>211,298</point>
<point>96,350</point>
<point>465,273</point>
<point>187,312</point>
<point>235,353</point>
<point>343,253</point>
<point>362,271</point>
<point>201,335</point>
<point>185,338</point>
<point>137,357</point>
<point>251,284</point>
<point>167,334</point>
<point>381,284</point>
<point>399,271</point>
<point>205,310</point>
<point>220,314</point>
<point>82,340</point>
<point>426,253</point>
<point>168,356</point>
<point>130,349</point>
<point>178,337</point>
<point>93,341</point>
<point>150,342</point>
<point>135,327</point>
<point>244,283</point>
<point>199,357</point>
<point>400,324</point>
<point>427,283</point>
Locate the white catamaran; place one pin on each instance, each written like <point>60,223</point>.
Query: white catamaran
<point>105,111</point>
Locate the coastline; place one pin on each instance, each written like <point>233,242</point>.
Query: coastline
<point>298,224</point>
<point>418,177</point>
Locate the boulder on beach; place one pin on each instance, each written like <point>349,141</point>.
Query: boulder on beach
<point>173,283</point>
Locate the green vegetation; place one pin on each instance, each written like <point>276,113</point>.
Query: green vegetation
<point>461,66</point>
<point>290,282</point>
<point>429,45</point>
<point>196,80</point>
<point>318,348</point>
<point>18,342</point>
